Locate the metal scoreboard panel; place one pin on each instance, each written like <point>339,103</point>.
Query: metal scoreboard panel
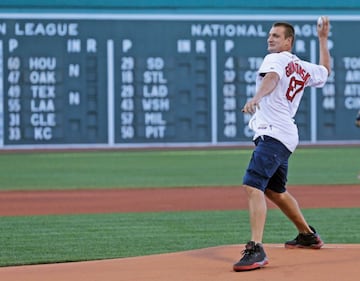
<point>147,80</point>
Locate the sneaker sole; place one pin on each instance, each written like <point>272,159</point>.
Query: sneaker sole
<point>254,266</point>
<point>298,246</point>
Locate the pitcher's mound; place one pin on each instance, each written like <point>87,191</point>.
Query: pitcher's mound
<point>332,263</point>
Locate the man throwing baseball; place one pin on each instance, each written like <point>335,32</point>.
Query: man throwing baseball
<point>280,84</point>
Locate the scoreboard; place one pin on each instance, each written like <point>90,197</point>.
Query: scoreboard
<point>151,80</point>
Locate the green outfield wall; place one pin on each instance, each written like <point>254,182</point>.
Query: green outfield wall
<point>161,74</point>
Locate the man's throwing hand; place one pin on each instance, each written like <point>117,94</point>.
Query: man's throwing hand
<point>251,106</point>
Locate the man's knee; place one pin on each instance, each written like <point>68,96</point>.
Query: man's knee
<point>275,196</point>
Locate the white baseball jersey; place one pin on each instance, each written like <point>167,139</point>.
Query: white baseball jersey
<point>277,110</point>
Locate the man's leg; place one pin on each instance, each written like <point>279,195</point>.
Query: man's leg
<point>257,212</point>
<point>307,237</point>
<point>290,207</point>
<point>264,162</point>
<point>254,256</point>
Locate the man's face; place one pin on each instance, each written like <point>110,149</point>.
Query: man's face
<point>277,41</point>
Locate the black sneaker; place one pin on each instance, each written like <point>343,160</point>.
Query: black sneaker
<point>254,257</point>
<point>306,241</point>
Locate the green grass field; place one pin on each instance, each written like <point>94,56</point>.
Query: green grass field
<point>47,239</point>
<point>141,169</point>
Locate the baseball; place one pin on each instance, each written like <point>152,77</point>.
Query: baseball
<point>320,22</point>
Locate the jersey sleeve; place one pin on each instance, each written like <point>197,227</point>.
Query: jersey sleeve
<point>272,63</point>
<point>319,75</point>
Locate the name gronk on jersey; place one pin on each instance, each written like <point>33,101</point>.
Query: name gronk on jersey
<point>295,85</point>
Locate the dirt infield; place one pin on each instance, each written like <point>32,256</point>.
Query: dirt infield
<point>161,199</point>
<point>332,263</point>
